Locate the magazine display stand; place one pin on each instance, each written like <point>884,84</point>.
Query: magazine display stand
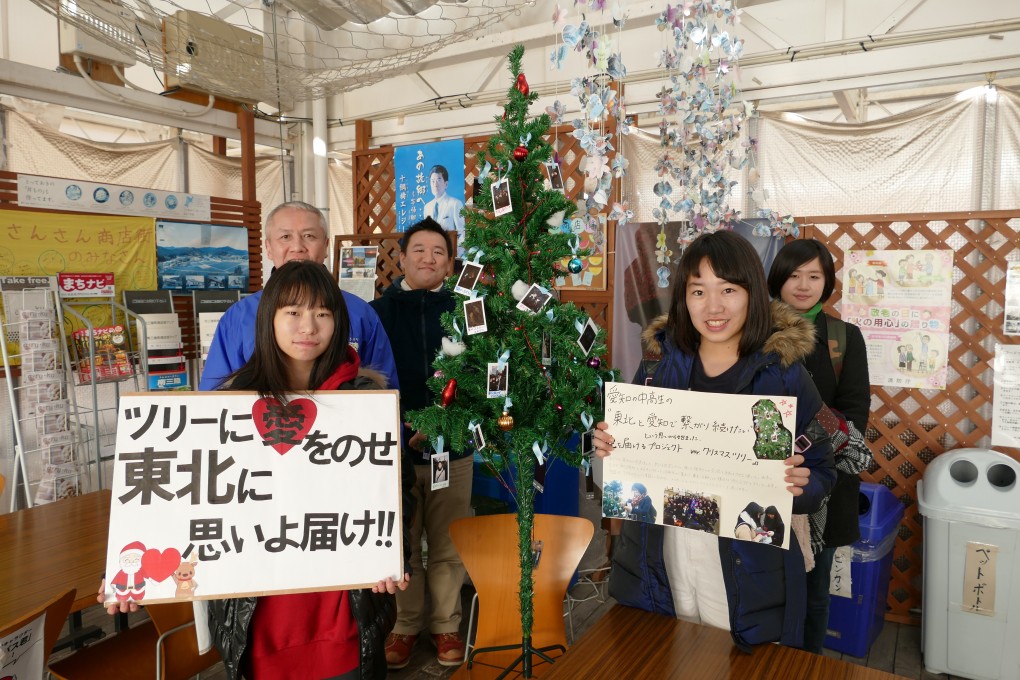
<point>52,447</point>
<point>104,359</point>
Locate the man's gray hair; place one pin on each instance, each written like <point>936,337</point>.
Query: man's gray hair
<point>298,205</point>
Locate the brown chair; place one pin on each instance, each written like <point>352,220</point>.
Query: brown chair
<point>164,647</point>
<point>56,611</point>
<point>488,546</point>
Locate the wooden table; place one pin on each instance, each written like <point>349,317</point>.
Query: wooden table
<point>628,642</point>
<point>49,548</point>
<point>631,643</point>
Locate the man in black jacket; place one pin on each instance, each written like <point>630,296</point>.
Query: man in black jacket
<point>410,311</point>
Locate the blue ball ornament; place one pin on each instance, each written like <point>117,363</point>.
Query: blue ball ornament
<point>575,265</point>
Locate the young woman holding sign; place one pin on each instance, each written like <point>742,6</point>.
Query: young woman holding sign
<point>301,345</point>
<point>722,335</point>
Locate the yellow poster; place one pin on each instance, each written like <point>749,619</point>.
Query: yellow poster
<point>45,244</point>
<point>37,243</point>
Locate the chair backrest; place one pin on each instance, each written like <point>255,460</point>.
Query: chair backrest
<point>180,657</point>
<point>56,611</point>
<point>488,546</point>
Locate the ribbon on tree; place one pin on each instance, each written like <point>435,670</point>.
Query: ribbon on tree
<point>477,253</point>
<point>502,359</point>
<point>440,442</point>
<point>540,452</point>
<point>587,421</point>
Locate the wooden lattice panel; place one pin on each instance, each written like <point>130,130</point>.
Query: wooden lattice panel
<point>909,427</point>
<point>375,207</point>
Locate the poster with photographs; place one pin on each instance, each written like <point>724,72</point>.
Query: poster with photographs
<point>357,270</point>
<point>711,462</point>
<point>534,300</point>
<point>201,256</point>
<point>501,197</point>
<point>1011,312</point>
<point>499,380</point>
<point>474,316</point>
<point>468,278</point>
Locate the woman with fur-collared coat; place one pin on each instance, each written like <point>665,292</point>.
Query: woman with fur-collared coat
<point>722,335</point>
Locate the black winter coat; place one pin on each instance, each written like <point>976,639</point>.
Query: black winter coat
<point>851,396</point>
<point>413,321</point>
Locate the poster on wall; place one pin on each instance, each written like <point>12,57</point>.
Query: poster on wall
<point>357,270</point>
<point>700,461</point>
<point>1011,313</point>
<point>45,244</point>
<point>430,183</point>
<point>1006,396</point>
<point>54,193</point>
<point>230,495</point>
<point>193,256</point>
<point>646,257</point>
<point>901,300</point>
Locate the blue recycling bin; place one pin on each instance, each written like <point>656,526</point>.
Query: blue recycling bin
<point>855,622</point>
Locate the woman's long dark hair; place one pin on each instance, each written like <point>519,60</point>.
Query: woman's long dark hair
<point>733,259</point>
<point>303,283</point>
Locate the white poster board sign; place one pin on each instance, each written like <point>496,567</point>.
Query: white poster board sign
<point>223,494</point>
<point>705,461</point>
<point>21,652</point>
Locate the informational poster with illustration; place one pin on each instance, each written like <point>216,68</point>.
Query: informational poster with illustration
<point>1006,397</point>
<point>901,300</point>
<point>700,461</point>
<point>229,494</point>
<point>357,270</point>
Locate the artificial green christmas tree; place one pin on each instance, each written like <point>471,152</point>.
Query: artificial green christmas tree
<point>550,393</point>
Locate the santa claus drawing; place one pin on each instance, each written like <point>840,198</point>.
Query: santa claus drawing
<point>129,583</point>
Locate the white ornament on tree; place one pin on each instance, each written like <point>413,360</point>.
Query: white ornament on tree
<point>520,289</point>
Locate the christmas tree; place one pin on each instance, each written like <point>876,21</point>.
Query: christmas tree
<point>541,357</point>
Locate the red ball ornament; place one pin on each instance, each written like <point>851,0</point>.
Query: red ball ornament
<point>522,85</point>
<point>521,153</point>
<point>449,392</point>
<point>559,408</point>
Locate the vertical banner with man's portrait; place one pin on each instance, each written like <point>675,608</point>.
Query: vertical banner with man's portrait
<point>430,183</point>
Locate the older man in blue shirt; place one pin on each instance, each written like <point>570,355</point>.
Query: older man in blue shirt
<point>294,231</point>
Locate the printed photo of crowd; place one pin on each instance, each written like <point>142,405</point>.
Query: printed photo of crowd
<point>691,510</point>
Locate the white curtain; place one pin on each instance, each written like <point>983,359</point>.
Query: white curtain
<point>36,149</point>
<point>1006,167</point>
<point>924,160</point>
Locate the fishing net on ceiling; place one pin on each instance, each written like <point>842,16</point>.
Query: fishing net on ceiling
<point>273,50</point>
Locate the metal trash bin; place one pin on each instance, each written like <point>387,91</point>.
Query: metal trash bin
<point>855,622</point>
<point>970,500</point>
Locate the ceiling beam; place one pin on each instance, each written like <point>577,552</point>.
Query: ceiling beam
<point>32,82</point>
<point>853,104</point>
<point>903,11</point>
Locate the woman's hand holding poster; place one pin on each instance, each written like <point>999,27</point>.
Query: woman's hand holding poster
<point>701,461</point>
<point>226,494</point>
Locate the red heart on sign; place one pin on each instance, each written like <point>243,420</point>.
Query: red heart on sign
<point>283,427</point>
<point>159,565</point>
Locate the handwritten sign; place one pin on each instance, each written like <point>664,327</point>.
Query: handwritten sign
<point>707,462</point>
<point>979,578</point>
<point>22,653</point>
<point>227,494</point>
<point>840,582</point>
